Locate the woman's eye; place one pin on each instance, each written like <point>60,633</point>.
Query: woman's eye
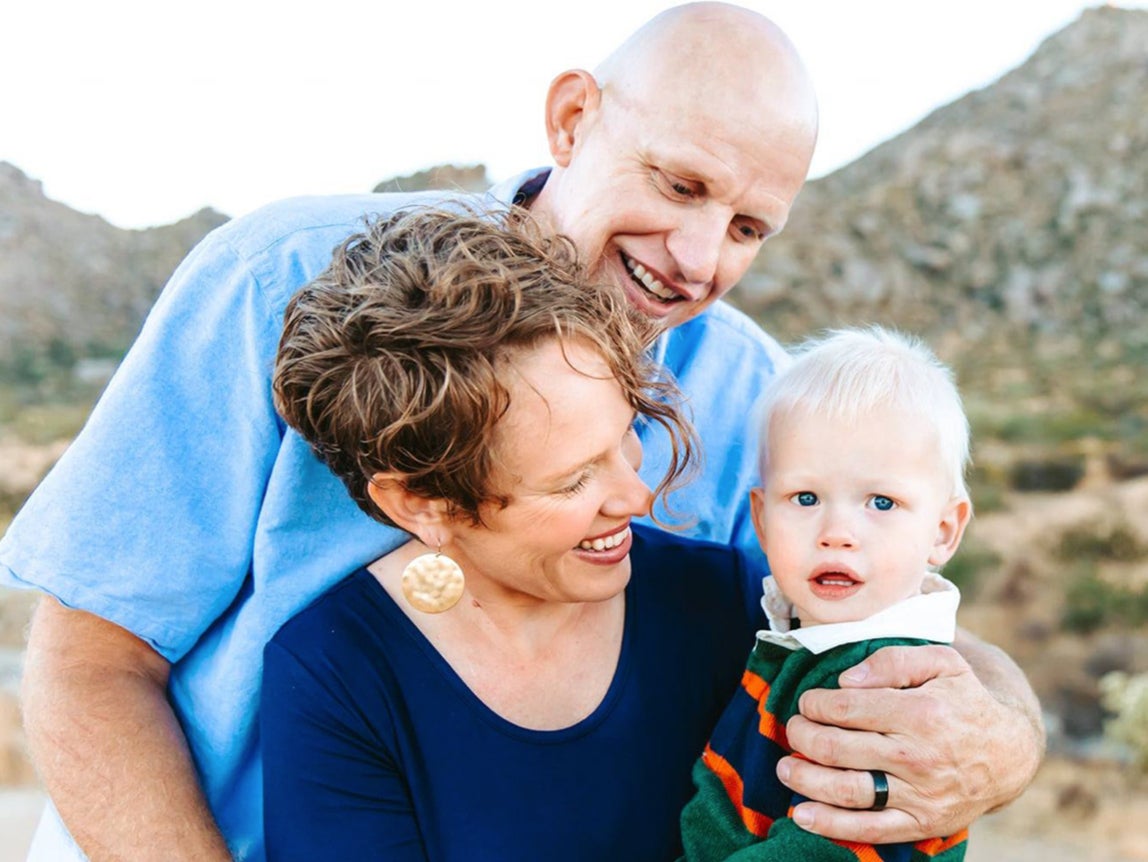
<point>882,503</point>
<point>805,498</point>
<point>571,490</point>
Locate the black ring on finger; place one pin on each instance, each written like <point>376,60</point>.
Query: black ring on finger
<point>880,790</point>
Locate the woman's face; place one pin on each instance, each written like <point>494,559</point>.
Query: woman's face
<point>566,457</point>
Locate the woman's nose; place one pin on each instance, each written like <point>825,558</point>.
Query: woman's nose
<point>631,495</point>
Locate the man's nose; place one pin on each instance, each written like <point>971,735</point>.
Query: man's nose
<point>696,245</point>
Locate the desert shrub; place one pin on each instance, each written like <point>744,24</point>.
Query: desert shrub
<point>10,503</point>
<point>46,423</point>
<point>987,497</point>
<point>1088,602</point>
<point>1126,697</point>
<point>1049,428</point>
<point>1046,474</point>
<point>1091,603</point>
<point>1117,543</point>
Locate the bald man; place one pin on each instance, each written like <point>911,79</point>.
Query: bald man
<point>185,525</point>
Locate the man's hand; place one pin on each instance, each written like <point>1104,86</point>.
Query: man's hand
<point>953,748</point>
<point>107,745</point>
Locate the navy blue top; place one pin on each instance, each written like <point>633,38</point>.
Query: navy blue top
<point>375,749</point>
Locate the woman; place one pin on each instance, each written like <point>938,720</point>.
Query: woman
<point>469,387</point>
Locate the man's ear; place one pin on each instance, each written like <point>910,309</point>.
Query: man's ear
<point>757,512</point>
<point>411,512</point>
<point>572,97</point>
<point>954,519</point>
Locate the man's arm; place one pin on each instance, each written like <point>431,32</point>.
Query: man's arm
<point>958,731</point>
<point>107,745</point>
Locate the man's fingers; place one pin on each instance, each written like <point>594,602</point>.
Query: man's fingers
<point>845,788</point>
<point>851,749</point>
<point>850,794</point>
<point>913,710</point>
<point>921,716</point>
<point>875,710</point>
<point>904,667</point>
<point>866,827</point>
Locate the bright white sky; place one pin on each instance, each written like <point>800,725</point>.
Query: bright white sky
<point>145,111</point>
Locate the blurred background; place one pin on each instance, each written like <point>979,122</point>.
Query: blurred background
<point>980,180</point>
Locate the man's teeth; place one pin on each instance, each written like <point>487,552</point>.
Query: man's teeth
<point>648,281</point>
<point>604,543</point>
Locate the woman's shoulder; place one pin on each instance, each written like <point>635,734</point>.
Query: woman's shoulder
<point>347,611</point>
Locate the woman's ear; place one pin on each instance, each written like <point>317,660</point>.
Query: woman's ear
<point>572,97</point>
<point>954,519</point>
<point>408,510</point>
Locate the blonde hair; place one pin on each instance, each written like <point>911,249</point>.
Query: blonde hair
<point>846,373</point>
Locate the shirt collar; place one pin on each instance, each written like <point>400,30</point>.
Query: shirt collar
<point>930,615</point>
<point>520,188</point>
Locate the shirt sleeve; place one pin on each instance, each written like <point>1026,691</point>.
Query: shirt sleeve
<point>148,518</point>
<point>331,789</point>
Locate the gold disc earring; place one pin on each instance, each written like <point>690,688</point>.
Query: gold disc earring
<point>433,583</point>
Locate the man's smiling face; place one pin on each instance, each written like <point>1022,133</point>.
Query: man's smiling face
<point>678,160</point>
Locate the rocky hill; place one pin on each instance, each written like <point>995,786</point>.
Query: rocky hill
<point>1018,209</point>
<point>72,285</point>
<point>1005,226</point>
<point>470,178</point>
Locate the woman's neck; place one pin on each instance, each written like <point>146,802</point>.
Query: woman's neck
<point>539,664</point>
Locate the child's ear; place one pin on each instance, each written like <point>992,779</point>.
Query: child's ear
<point>417,515</point>
<point>951,529</point>
<point>757,512</point>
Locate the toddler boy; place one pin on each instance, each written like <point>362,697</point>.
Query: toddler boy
<point>864,445</point>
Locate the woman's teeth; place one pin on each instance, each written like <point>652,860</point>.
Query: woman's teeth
<point>604,543</point>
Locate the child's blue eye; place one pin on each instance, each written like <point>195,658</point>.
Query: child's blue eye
<point>882,503</point>
<point>805,498</point>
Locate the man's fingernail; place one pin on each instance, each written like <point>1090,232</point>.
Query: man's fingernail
<point>784,770</point>
<point>803,817</point>
<point>856,674</point>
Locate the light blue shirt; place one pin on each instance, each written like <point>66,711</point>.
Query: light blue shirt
<point>187,513</point>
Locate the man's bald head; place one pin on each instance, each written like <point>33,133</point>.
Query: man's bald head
<point>701,52</point>
<point>681,154</point>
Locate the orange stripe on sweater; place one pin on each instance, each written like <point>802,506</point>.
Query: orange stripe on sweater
<point>936,846</point>
<point>768,726</point>
<point>754,821</point>
<point>863,852</point>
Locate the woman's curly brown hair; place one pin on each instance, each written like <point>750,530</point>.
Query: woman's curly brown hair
<point>390,360</point>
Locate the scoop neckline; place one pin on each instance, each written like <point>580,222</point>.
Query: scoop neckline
<point>466,695</point>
